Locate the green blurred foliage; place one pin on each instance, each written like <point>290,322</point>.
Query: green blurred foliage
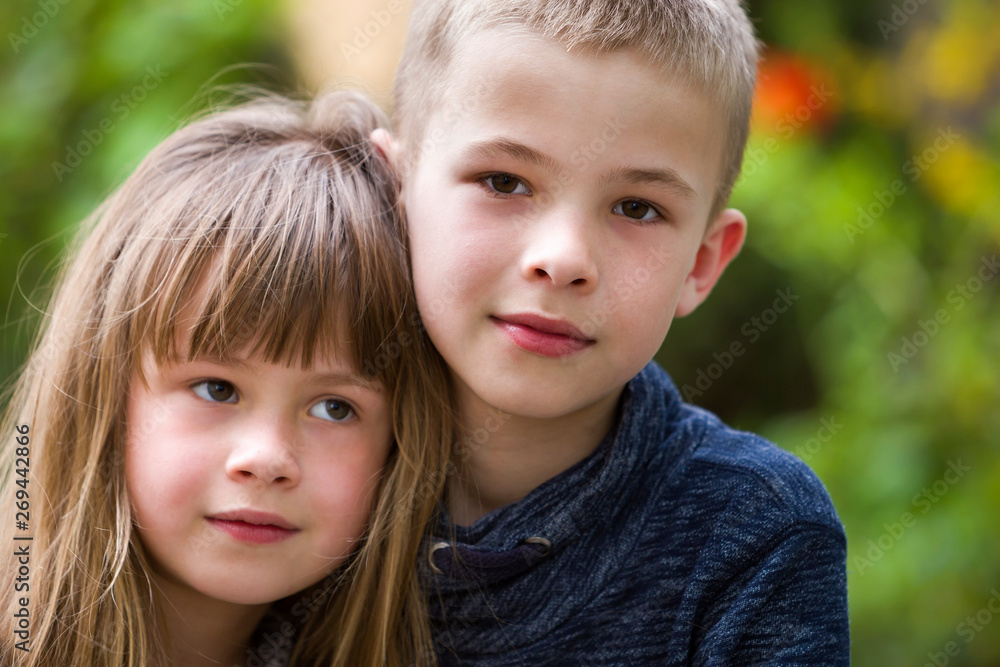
<point>869,230</point>
<point>877,208</point>
<point>87,89</point>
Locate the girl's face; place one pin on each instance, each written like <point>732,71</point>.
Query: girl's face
<point>251,480</point>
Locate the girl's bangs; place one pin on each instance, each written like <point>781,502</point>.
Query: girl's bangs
<point>269,269</point>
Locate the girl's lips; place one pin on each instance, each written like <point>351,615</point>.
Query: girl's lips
<point>549,338</point>
<point>252,526</point>
<point>252,533</point>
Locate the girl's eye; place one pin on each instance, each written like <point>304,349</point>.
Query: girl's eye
<point>333,410</point>
<point>635,209</point>
<point>217,391</point>
<point>506,184</point>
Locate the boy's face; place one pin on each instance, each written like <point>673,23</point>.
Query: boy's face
<point>557,210</point>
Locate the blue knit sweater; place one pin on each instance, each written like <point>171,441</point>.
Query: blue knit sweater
<point>679,541</point>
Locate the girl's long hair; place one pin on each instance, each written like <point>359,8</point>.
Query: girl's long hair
<point>289,215</point>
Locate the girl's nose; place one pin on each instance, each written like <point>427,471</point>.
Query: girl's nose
<point>264,453</point>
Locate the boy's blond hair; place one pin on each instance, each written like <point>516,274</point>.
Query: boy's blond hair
<point>710,44</point>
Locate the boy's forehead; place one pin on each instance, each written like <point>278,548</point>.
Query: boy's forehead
<point>495,61</point>
<point>519,84</point>
<point>487,62</point>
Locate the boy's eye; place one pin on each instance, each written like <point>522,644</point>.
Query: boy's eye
<point>506,184</point>
<point>217,391</point>
<point>332,409</point>
<point>635,209</point>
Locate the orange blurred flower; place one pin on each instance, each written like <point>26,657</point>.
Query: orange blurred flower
<point>793,95</point>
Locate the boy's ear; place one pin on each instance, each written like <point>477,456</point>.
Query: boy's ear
<point>386,145</point>
<point>721,243</point>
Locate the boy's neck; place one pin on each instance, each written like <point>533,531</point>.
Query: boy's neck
<point>202,631</point>
<point>519,454</point>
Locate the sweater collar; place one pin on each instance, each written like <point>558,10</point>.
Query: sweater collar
<point>519,536</point>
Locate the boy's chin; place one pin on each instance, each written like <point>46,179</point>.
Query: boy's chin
<point>531,401</point>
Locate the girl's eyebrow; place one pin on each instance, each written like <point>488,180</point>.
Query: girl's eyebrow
<point>352,379</point>
<point>231,362</point>
<point>332,378</point>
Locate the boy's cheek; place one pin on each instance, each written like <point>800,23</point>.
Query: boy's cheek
<point>623,290</point>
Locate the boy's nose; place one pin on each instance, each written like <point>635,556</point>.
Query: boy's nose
<point>263,454</point>
<point>561,251</point>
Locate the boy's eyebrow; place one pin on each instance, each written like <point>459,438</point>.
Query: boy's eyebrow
<point>492,149</point>
<point>666,177</point>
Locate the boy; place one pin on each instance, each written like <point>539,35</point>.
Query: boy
<point>565,169</point>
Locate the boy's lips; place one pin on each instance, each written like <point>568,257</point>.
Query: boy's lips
<point>549,337</point>
<point>253,526</point>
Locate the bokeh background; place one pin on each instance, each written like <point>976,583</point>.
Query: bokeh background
<point>865,306</point>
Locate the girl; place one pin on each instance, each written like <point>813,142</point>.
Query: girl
<point>231,419</point>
